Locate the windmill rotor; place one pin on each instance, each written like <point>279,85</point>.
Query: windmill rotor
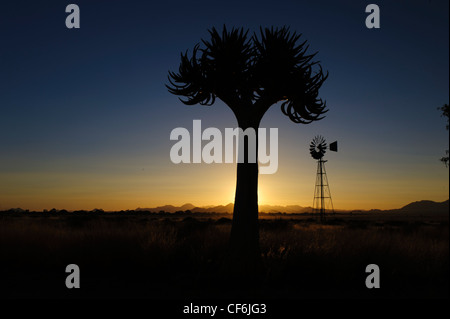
<point>318,147</point>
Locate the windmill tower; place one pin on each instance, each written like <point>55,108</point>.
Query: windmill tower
<point>322,195</point>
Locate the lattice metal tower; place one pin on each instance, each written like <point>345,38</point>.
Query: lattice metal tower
<point>322,196</point>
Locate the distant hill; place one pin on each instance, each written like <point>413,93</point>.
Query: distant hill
<point>172,209</point>
<point>290,209</point>
<point>423,206</point>
<point>187,206</point>
<point>419,207</point>
<point>217,209</point>
<point>169,208</point>
<point>426,206</point>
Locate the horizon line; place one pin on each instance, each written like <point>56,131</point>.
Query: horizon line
<point>211,206</point>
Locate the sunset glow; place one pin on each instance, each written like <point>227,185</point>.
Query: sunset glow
<point>86,118</point>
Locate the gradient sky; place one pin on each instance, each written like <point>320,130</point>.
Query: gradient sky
<point>86,118</point>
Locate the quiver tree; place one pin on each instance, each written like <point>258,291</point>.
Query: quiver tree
<point>250,74</point>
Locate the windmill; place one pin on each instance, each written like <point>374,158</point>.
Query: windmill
<point>322,194</point>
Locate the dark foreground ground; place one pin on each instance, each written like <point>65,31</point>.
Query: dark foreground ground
<point>141,255</point>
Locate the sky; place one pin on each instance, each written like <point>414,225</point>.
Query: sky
<point>86,117</point>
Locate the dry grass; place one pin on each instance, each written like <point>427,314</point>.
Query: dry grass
<point>148,256</point>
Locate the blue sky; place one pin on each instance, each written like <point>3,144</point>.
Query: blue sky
<point>86,117</point>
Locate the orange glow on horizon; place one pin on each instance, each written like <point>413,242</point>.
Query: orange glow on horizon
<point>213,185</point>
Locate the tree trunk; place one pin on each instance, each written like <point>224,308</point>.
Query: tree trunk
<point>245,255</point>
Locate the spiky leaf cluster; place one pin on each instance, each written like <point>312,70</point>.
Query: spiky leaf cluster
<point>248,72</point>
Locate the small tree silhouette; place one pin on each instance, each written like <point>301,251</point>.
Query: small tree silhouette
<point>445,113</point>
<point>250,74</point>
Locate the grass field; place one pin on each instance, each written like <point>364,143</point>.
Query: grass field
<point>139,255</point>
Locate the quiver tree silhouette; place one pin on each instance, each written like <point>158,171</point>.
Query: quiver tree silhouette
<point>250,74</point>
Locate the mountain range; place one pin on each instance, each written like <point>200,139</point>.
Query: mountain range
<point>423,206</point>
